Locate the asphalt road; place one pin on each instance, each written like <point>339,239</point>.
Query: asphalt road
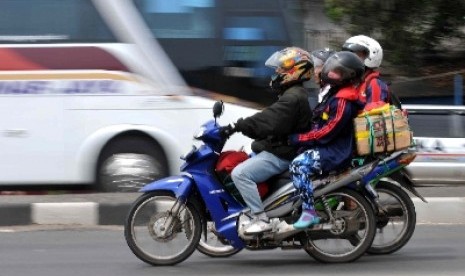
<point>49,251</point>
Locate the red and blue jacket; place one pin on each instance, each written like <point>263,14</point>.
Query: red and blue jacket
<point>332,128</point>
<point>373,89</point>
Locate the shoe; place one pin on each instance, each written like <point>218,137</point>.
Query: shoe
<point>245,220</point>
<point>307,219</point>
<point>257,226</point>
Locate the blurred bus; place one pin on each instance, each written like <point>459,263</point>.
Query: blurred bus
<point>87,95</point>
<point>221,45</point>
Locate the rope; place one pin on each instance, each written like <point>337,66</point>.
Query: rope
<point>393,129</point>
<point>371,134</point>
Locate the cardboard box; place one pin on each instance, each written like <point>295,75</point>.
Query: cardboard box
<point>386,132</point>
<point>403,140</point>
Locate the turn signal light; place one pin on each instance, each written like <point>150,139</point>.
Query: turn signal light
<point>407,158</point>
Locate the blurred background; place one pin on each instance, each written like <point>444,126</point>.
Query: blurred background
<point>222,45</point>
<point>218,48</point>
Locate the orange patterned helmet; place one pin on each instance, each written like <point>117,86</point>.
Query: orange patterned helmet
<point>292,65</point>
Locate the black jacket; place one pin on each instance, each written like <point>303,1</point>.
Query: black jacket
<point>270,127</point>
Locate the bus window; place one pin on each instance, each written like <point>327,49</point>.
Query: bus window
<point>50,21</point>
<point>179,19</point>
<point>255,28</point>
<point>222,46</point>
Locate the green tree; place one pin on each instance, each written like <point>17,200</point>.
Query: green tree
<point>408,30</point>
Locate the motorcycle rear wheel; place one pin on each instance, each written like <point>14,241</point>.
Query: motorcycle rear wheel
<point>324,244</point>
<point>154,242</point>
<point>394,230</point>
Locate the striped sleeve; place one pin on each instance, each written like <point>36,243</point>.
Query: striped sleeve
<point>337,119</point>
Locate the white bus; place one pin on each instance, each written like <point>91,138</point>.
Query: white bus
<point>87,96</point>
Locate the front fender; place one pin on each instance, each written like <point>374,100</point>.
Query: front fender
<point>180,185</point>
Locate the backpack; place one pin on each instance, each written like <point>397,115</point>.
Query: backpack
<point>393,100</point>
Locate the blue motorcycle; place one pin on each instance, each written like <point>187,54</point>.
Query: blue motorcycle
<point>165,224</point>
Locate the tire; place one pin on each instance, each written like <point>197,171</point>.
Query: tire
<point>213,246</point>
<point>128,163</point>
<point>144,229</point>
<point>403,206</point>
<point>365,220</point>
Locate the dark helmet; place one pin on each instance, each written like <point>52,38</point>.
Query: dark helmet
<point>320,56</point>
<point>343,68</point>
<point>293,66</point>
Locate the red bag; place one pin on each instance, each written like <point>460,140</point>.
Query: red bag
<point>228,160</point>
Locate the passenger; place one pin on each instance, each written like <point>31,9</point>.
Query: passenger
<point>270,128</point>
<point>330,143</point>
<point>318,58</point>
<point>373,91</point>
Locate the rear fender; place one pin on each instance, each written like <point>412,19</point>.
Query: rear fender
<point>180,185</point>
<point>402,179</point>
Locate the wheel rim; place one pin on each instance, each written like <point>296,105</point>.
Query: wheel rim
<point>149,234</point>
<point>396,226</point>
<point>128,172</point>
<point>352,231</point>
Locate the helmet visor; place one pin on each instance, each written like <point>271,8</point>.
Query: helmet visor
<point>355,48</point>
<point>281,59</point>
<point>335,73</point>
<point>320,56</point>
<point>287,58</point>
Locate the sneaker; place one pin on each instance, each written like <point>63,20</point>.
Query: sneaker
<point>245,220</point>
<point>258,225</point>
<point>307,219</point>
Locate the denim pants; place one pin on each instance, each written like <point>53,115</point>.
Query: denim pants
<point>302,168</point>
<point>255,170</point>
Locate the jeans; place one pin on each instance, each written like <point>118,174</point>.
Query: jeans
<point>302,168</point>
<point>255,170</point>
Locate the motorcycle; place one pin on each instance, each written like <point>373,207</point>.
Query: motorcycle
<point>164,225</point>
<point>394,211</point>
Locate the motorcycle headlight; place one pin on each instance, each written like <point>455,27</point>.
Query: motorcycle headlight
<point>200,133</point>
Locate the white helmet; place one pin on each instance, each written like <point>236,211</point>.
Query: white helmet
<point>371,47</point>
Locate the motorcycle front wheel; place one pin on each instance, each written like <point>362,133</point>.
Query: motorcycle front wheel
<point>352,231</point>
<point>158,236</point>
<point>213,246</point>
<point>394,228</point>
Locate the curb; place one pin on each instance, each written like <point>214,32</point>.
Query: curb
<point>63,213</point>
<point>438,210</point>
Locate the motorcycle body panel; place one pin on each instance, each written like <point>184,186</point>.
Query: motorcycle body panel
<point>179,185</point>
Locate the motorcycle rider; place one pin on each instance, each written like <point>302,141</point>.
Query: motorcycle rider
<point>372,90</point>
<point>318,58</point>
<point>270,128</point>
<point>330,143</point>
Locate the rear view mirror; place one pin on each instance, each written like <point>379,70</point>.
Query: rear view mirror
<point>218,109</point>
